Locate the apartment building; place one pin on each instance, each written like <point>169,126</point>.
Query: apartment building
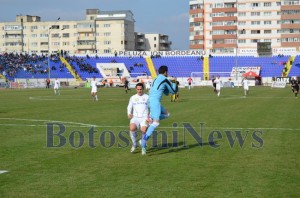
<point>101,32</point>
<point>152,42</point>
<point>236,26</point>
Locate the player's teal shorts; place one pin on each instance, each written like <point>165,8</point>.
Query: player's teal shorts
<point>156,109</point>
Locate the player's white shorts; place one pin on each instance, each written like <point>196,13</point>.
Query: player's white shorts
<point>94,90</point>
<point>246,88</point>
<point>139,122</point>
<point>56,87</point>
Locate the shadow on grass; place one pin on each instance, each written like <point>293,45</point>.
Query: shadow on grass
<point>170,148</point>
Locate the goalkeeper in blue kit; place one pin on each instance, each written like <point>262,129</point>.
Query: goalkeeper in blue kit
<point>161,85</point>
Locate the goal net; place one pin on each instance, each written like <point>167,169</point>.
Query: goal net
<point>229,79</point>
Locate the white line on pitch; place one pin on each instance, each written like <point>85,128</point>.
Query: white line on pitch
<point>35,120</point>
<point>3,171</point>
<point>77,124</point>
<point>36,98</point>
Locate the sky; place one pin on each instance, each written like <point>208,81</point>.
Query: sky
<point>168,17</point>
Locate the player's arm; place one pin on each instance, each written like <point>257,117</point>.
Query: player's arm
<point>169,88</point>
<point>129,108</point>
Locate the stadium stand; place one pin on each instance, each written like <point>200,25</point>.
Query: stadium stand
<point>295,69</point>
<point>36,66</point>
<point>181,66</point>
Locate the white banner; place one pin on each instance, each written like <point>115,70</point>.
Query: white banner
<point>165,53</point>
<point>278,84</point>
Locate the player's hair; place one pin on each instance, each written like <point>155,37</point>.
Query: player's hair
<point>139,84</point>
<point>162,69</point>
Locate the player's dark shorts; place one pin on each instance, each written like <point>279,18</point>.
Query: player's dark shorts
<point>190,83</point>
<point>296,89</point>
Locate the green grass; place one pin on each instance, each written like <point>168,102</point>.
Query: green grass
<point>35,170</point>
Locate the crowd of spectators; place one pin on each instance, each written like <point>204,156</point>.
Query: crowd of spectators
<point>13,63</point>
<point>81,62</point>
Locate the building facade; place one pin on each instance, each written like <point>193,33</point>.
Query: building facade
<point>152,42</point>
<point>102,32</point>
<point>231,26</point>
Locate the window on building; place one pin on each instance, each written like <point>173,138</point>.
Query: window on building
<point>242,41</point>
<point>229,41</point>
<point>267,31</point>
<point>228,5</point>
<point>218,32</point>
<point>218,5</point>
<point>255,22</point>
<point>255,13</point>
<point>55,44</point>
<point>65,35</point>
<point>241,23</point>
<point>34,28</point>
<point>267,13</point>
<point>254,4</point>
<point>66,27</point>
<point>255,31</point>
<point>242,13</point>
<point>267,22</point>
<point>34,44</point>
<point>55,35</point>
<point>107,33</point>
<point>66,43</point>
<point>267,4</point>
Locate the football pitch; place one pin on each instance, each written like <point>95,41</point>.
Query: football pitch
<point>229,146</point>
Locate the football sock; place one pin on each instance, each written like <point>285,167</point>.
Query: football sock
<point>96,97</point>
<point>133,136</point>
<point>149,132</point>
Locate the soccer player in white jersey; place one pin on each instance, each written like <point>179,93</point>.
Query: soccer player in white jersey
<point>245,84</point>
<point>218,82</point>
<point>137,111</point>
<point>148,85</point>
<point>56,87</point>
<point>94,89</point>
